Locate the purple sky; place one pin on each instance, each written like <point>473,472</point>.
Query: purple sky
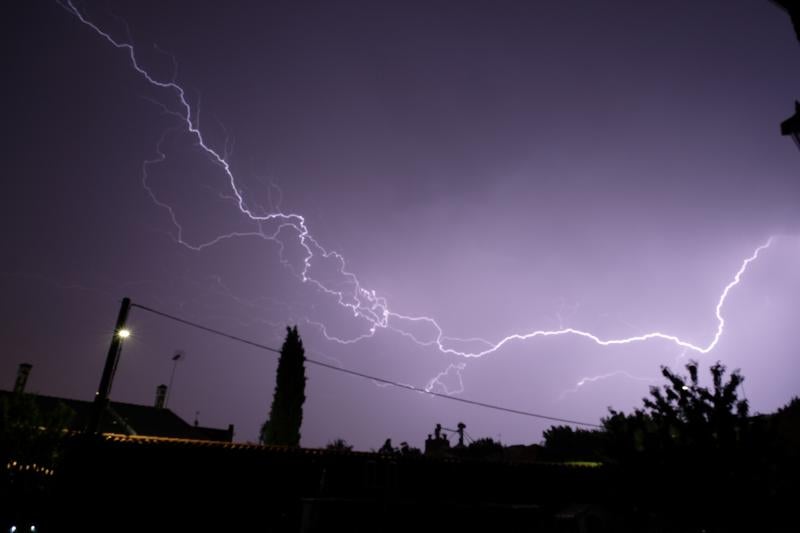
<point>498,167</point>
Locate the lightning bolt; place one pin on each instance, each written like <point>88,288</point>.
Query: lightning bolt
<point>437,380</point>
<point>593,379</point>
<point>364,304</point>
<point>638,338</point>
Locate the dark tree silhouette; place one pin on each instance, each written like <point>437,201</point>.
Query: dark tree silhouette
<point>563,443</point>
<point>387,448</point>
<point>688,440</point>
<point>407,449</point>
<point>684,414</point>
<point>29,435</point>
<point>785,423</point>
<point>784,450</point>
<point>484,448</point>
<point>339,445</point>
<point>286,413</point>
<point>688,415</point>
<point>32,444</point>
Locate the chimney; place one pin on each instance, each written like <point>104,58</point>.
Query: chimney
<point>161,396</point>
<point>22,377</point>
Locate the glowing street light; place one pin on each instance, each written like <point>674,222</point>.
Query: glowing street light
<point>112,359</point>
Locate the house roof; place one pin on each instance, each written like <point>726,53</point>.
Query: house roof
<point>129,419</point>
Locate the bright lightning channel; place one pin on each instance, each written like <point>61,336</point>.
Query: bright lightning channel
<point>364,304</point>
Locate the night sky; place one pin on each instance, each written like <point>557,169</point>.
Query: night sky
<point>498,167</point>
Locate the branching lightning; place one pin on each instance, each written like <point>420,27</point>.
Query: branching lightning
<point>437,380</point>
<point>364,304</point>
<point>592,379</point>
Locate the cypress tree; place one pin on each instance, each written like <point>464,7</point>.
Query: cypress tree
<point>286,413</point>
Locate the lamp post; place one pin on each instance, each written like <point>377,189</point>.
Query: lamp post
<point>112,359</point>
<point>175,358</point>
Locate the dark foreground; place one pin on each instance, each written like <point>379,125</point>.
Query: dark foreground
<point>121,484</point>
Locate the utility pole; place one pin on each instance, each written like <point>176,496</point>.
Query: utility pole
<point>110,368</point>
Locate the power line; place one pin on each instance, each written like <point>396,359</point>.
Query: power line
<point>361,374</point>
<point>205,328</point>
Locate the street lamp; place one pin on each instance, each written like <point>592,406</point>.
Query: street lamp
<point>101,397</point>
